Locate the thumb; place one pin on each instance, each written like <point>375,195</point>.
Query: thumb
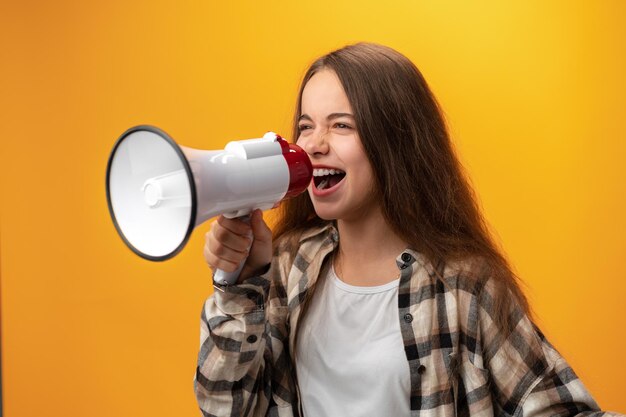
<point>260,230</point>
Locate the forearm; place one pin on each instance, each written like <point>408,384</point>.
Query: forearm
<point>559,392</point>
<point>231,369</point>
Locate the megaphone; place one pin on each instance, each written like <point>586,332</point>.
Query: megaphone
<point>158,191</point>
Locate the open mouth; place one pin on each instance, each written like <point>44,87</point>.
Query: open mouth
<point>327,178</point>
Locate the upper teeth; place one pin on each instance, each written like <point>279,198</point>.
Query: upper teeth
<point>324,172</point>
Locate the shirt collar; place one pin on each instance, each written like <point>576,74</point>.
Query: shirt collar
<point>328,229</point>
<point>404,259</point>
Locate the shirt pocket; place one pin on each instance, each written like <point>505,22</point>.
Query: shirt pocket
<point>470,388</point>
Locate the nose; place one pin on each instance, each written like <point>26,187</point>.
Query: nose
<point>315,143</point>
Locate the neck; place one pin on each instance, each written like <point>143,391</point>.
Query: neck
<point>369,237</point>
<point>367,250</point>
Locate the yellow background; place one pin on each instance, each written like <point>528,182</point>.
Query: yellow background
<point>533,92</point>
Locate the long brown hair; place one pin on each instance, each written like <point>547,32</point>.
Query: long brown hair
<point>425,195</point>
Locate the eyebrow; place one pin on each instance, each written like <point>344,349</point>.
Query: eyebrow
<point>329,117</point>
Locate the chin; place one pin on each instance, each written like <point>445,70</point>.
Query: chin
<point>326,213</point>
<point>328,218</point>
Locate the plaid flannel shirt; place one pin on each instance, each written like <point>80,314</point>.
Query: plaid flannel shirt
<point>460,365</point>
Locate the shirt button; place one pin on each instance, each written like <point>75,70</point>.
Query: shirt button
<point>421,369</point>
<point>251,339</point>
<point>406,257</point>
<point>408,317</point>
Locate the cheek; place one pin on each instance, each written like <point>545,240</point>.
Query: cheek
<point>351,154</point>
<point>301,142</point>
<point>366,179</point>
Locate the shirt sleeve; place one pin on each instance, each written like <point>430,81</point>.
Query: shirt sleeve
<point>528,376</point>
<point>232,376</point>
<point>559,392</point>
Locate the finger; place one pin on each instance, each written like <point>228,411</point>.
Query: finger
<point>216,263</point>
<point>262,233</point>
<point>227,247</point>
<point>219,256</point>
<point>227,238</point>
<point>222,251</point>
<point>236,226</point>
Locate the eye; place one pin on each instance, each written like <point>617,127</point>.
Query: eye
<point>342,126</point>
<point>304,127</point>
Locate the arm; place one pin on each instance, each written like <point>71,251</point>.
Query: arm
<point>528,376</point>
<point>559,392</point>
<point>232,377</point>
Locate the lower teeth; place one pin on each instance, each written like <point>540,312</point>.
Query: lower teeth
<point>323,184</point>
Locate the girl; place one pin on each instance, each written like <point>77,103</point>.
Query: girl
<point>381,292</point>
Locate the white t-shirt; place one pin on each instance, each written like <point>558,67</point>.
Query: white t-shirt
<point>350,357</point>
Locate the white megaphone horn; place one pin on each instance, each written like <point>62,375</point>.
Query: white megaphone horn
<point>158,191</point>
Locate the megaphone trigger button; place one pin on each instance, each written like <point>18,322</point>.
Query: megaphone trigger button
<point>271,136</point>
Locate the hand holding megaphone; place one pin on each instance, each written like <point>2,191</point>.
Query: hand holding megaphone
<point>158,192</point>
<point>232,243</point>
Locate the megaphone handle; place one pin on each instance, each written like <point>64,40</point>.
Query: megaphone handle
<point>230,278</point>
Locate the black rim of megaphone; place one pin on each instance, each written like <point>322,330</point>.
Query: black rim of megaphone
<point>192,186</point>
